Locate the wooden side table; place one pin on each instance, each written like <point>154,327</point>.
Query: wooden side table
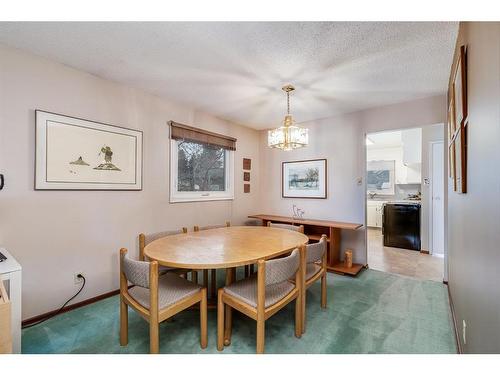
<point>314,229</point>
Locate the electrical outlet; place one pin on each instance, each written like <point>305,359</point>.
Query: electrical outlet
<point>78,280</point>
<point>464,332</point>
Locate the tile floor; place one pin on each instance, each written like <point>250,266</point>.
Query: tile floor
<point>400,261</point>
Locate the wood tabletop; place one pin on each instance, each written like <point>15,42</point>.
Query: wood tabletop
<point>323,223</point>
<point>223,247</point>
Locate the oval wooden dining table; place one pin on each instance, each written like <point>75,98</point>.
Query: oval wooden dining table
<point>224,248</point>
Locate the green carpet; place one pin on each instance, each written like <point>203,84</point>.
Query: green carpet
<point>374,313</point>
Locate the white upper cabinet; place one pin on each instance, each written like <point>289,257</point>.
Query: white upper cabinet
<point>412,146</point>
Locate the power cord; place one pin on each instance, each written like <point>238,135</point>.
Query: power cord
<point>62,307</point>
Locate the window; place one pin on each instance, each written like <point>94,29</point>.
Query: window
<point>200,169</point>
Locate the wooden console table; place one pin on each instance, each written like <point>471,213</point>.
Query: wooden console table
<point>314,229</point>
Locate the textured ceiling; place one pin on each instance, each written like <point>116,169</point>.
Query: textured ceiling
<point>236,70</point>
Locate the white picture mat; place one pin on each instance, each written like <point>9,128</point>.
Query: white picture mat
<point>62,139</point>
<point>290,167</point>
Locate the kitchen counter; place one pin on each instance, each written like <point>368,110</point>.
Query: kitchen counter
<point>382,201</point>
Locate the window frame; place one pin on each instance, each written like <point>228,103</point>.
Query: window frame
<point>177,196</point>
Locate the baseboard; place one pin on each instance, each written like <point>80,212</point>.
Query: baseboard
<point>70,307</point>
<point>424,252</point>
<point>452,308</point>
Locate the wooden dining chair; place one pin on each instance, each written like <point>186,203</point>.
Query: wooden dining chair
<point>145,239</point>
<point>262,295</point>
<point>297,228</point>
<point>156,298</point>
<point>315,269</point>
<point>213,275</point>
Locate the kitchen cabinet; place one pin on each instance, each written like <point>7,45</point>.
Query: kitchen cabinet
<point>413,174</point>
<point>374,211</point>
<point>412,146</point>
<point>371,213</point>
<point>412,156</point>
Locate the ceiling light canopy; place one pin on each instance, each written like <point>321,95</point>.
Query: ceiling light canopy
<point>289,136</point>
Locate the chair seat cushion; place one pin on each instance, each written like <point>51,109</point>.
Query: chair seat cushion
<point>312,269</point>
<point>246,290</point>
<point>171,289</point>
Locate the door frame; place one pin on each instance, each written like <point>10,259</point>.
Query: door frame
<point>431,190</point>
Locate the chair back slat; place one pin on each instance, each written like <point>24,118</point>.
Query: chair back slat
<point>315,251</point>
<point>154,236</point>
<point>282,269</point>
<point>136,271</point>
<point>206,227</point>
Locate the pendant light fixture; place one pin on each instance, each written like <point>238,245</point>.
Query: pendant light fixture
<point>289,136</point>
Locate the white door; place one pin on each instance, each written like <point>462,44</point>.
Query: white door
<point>437,191</point>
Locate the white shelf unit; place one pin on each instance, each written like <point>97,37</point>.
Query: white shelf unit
<point>10,273</point>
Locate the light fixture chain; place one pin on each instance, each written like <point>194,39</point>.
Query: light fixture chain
<point>288,102</point>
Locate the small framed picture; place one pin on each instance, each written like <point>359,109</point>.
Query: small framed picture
<point>451,165</point>
<point>457,145</point>
<point>452,125</point>
<point>304,179</point>
<point>461,160</point>
<point>77,154</point>
<point>459,88</point>
<point>247,164</point>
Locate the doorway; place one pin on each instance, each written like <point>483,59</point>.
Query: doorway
<point>405,201</point>
<point>436,222</point>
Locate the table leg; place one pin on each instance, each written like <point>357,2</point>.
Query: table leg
<point>230,274</point>
<point>205,278</point>
<point>213,285</point>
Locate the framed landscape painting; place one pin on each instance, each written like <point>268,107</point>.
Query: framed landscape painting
<point>304,179</point>
<point>76,154</point>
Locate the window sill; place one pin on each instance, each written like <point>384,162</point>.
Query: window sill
<point>201,199</point>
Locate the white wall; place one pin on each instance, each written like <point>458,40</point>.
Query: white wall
<point>341,140</point>
<point>55,234</point>
<point>474,217</point>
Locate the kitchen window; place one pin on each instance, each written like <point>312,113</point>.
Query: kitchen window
<point>201,165</point>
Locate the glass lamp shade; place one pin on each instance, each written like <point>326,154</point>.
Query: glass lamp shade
<point>288,137</point>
